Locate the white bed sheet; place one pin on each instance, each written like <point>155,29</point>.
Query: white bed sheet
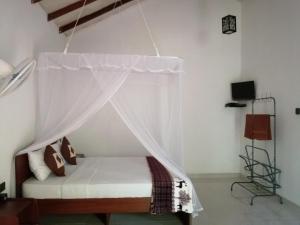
<point>101,177</point>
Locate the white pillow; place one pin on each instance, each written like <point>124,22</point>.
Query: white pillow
<point>37,164</point>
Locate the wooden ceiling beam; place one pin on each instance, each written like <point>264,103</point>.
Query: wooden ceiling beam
<point>69,8</point>
<point>93,15</point>
<point>35,1</point>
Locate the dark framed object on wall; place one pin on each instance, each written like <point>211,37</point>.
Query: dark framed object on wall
<point>229,24</point>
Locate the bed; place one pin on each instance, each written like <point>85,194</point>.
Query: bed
<point>117,186</point>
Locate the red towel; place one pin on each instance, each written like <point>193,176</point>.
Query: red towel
<point>258,126</point>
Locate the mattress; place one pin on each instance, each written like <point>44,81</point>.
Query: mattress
<point>102,177</point>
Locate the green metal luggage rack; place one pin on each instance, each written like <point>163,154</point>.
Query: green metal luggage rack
<point>263,176</point>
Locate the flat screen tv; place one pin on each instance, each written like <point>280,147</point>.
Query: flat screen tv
<point>243,90</point>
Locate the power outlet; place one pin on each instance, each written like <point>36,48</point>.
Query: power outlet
<point>2,187</point>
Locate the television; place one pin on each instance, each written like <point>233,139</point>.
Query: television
<point>243,90</point>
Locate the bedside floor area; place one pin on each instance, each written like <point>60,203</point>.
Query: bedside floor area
<point>221,208</point>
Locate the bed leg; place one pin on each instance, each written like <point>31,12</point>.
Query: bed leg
<point>185,218</point>
<point>104,217</point>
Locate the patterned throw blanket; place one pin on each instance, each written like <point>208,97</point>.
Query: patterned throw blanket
<point>169,194</point>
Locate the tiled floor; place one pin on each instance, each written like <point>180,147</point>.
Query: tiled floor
<point>221,208</point>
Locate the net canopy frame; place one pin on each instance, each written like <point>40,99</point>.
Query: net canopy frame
<point>145,91</point>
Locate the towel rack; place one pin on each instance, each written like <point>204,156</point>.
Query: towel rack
<point>263,176</point>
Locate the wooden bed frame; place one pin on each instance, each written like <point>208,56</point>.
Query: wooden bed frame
<point>102,207</point>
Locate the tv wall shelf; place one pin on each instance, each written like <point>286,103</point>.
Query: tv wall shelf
<point>263,178</point>
<point>235,104</point>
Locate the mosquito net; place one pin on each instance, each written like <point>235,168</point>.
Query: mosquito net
<point>144,90</point>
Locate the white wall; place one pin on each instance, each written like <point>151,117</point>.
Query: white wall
<point>190,29</point>
<point>24,32</point>
<point>270,55</point>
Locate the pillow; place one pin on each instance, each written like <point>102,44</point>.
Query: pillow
<point>68,152</point>
<point>57,146</point>
<point>54,161</point>
<point>37,164</point>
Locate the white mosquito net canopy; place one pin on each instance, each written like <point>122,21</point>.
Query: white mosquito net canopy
<point>144,91</point>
